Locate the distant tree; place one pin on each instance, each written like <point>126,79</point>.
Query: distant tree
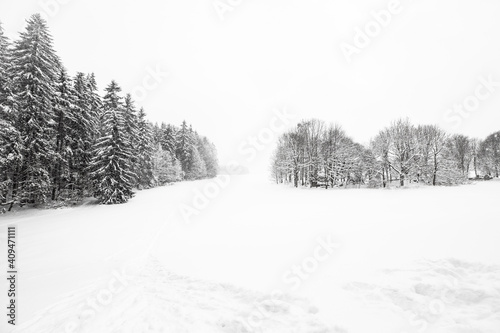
<point>432,147</point>
<point>313,130</point>
<point>96,109</point>
<point>184,146</point>
<point>168,138</point>
<point>489,152</point>
<point>403,149</point>
<point>380,147</point>
<point>208,154</point>
<point>476,155</point>
<point>460,151</point>
<point>196,168</point>
<point>145,151</point>
<point>166,168</point>
<point>333,144</point>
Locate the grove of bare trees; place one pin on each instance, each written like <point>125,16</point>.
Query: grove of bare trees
<point>315,154</point>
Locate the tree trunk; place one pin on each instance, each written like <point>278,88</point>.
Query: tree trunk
<point>383,178</point>
<point>475,166</point>
<point>434,176</point>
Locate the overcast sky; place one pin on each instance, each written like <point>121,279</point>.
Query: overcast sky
<point>231,62</point>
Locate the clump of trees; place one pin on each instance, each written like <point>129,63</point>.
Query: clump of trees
<point>61,141</point>
<point>315,154</point>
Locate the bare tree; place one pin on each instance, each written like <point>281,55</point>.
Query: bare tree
<point>316,155</point>
<point>461,152</point>
<point>380,147</point>
<point>431,144</point>
<point>489,153</point>
<point>475,150</point>
<point>403,148</point>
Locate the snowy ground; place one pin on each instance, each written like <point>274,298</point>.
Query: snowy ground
<point>256,257</point>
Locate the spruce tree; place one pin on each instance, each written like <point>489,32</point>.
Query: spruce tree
<point>208,154</point>
<point>111,170</point>
<point>10,159</point>
<point>196,168</point>
<point>96,104</point>
<point>10,139</point>
<point>34,71</point>
<point>86,131</point>
<point>131,132</point>
<point>66,133</point>
<point>166,168</point>
<point>4,75</point>
<point>169,138</point>
<point>184,148</point>
<point>145,150</point>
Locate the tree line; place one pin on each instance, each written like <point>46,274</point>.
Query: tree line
<point>60,140</point>
<point>315,154</point>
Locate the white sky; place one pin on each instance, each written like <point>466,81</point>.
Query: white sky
<point>226,76</point>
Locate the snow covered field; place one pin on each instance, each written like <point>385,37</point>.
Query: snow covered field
<point>256,257</point>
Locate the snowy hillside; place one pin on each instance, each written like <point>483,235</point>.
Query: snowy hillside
<point>255,257</point>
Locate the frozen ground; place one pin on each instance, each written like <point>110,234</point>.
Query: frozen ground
<point>258,257</point>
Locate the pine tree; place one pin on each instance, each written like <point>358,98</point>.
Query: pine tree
<point>5,92</point>
<point>131,131</point>
<point>111,170</point>
<point>145,151</point>
<point>95,102</point>
<point>166,168</point>
<point>65,125</point>
<point>156,131</point>
<point>10,139</point>
<point>85,131</point>
<point>184,146</point>
<point>34,71</point>
<point>196,168</point>
<point>10,159</point>
<point>168,138</point>
<point>208,154</point>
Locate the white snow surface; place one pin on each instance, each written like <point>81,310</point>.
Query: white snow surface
<point>254,259</point>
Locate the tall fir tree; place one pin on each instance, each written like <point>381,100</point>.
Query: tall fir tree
<point>34,71</point>
<point>185,145</point>
<point>196,168</point>
<point>5,92</point>
<point>145,151</point>
<point>169,138</point>
<point>208,154</point>
<point>131,131</point>
<point>111,173</point>
<point>86,131</point>
<point>10,159</point>
<point>65,126</point>
<point>10,139</point>
<point>166,168</point>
